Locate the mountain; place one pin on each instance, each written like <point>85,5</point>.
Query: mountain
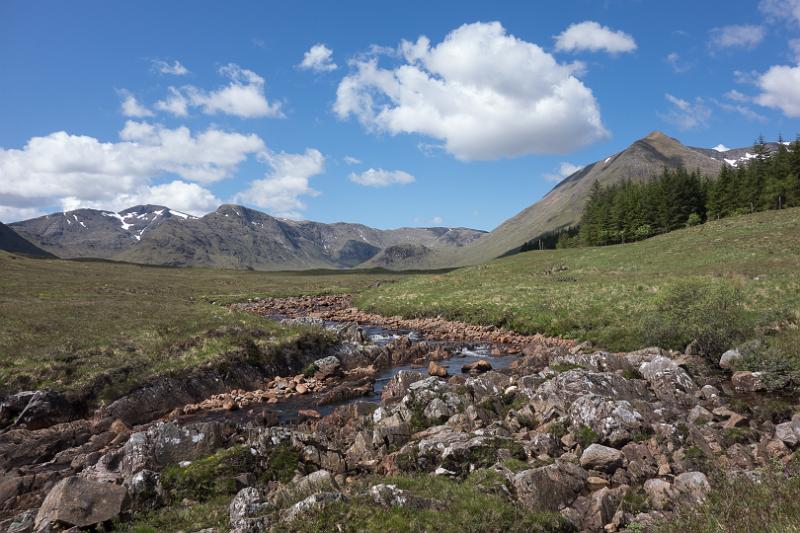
<point>95,233</point>
<point>231,237</point>
<point>563,205</point>
<point>10,241</point>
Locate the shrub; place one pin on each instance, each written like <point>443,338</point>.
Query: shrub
<point>707,311</point>
<point>208,477</point>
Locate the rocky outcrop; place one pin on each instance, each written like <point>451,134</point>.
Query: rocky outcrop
<point>77,502</point>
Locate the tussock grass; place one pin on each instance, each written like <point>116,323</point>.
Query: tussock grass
<point>611,294</point>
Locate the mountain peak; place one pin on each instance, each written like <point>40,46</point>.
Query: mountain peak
<point>656,134</point>
<point>144,208</point>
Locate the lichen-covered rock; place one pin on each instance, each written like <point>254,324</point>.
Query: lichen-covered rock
<point>614,421</point>
<point>391,496</point>
<point>745,381</point>
<point>660,493</point>
<point>81,503</point>
<point>550,487</point>
<point>315,502</point>
<point>789,432</point>
<point>603,458</point>
<point>327,367</point>
<point>691,487</point>
<point>729,358</point>
<point>397,387</point>
<point>669,381</point>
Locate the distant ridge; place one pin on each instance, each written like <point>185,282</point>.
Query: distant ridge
<point>11,242</point>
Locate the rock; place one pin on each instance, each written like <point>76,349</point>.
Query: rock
<point>659,492</point>
<point>692,487</point>
<point>80,502</point>
<point>789,432</point>
<point>390,431</point>
<point>669,381</point>
<point>245,508</point>
<point>615,422</point>
<point>550,487</point>
<point>229,404</point>
<point>168,443</point>
<point>390,496</point>
<point>745,381</point>
<point>397,387</point>
<point>729,358</point>
<point>699,415</point>
<point>308,413</point>
<point>301,388</point>
<point>709,391</point>
<point>435,369</point>
<point>437,410</point>
<point>36,409</point>
<point>596,483</point>
<point>319,481</point>
<point>21,523</point>
<point>327,367</point>
<point>599,457</point>
<point>476,367</point>
<point>314,502</point>
<point>143,489</point>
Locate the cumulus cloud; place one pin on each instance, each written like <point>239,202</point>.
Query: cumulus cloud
<point>79,170</point>
<point>485,94</point>
<point>175,68</point>
<point>736,103</point>
<point>131,107</point>
<point>686,115</point>
<point>565,170</point>
<point>280,191</point>
<point>781,10</point>
<point>593,37</point>
<point>736,36</point>
<point>10,214</point>
<point>319,58</point>
<point>350,160</point>
<point>378,177</point>
<point>243,97</point>
<point>779,89</point>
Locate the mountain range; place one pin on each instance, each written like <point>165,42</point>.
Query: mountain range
<point>234,236</point>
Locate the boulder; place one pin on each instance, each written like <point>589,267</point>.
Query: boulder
<point>167,443</point>
<point>745,381</point>
<point>313,503</point>
<point>244,511</point>
<point>691,487</point>
<point>699,415</point>
<point>659,492</point>
<point>477,367</point>
<point>397,387</point>
<point>670,382</point>
<point>435,369</point>
<point>327,367</point>
<point>789,432</point>
<point>614,421</point>
<point>82,503</point>
<point>729,358</point>
<point>390,430</point>
<point>603,458</point>
<point>36,409</point>
<point>550,487</point>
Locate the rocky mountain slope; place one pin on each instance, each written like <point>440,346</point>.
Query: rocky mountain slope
<point>563,205</point>
<point>94,233</point>
<point>10,241</point>
<point>230,237</point>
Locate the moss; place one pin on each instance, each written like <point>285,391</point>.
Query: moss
<point>586,436</point>
<point>193,517</point>
<point>516,465</point>
<point>558,429</point>
<point>738,435</point>
<point>282,463</point>
<point>635,501</point>
<point>208,477</point>
<point>310,370</point>
<point>632,373</point>
<point>564,367</point>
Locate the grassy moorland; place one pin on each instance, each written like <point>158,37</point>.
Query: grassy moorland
<point>64,323</point>
<point>734,278</point>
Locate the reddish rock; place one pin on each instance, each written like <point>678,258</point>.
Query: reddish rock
<point>477,367</point>
<point>437,370</point>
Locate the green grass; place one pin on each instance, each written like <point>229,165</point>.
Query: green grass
<point>740,505</point>
<point>191,516</point>
<point>463,507</point>
<point>604,294</point>
<point>65,323</point>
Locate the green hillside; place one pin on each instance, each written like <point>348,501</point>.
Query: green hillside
<point>612,294</point>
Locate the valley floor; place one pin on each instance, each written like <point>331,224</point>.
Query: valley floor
<point>137,341</point>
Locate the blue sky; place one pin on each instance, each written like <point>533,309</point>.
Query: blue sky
<point>465,129</point>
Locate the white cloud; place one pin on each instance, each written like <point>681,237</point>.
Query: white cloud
<point>131,107</point>
<point>794,46</point>
<point>739,107</point>
<point>484,93</point>
<point>10,214</point>
<point>565,170</point>
<point>378,177</point>
<point>433,221</point>
<point>746,78</point>
<point>591,36</point>
<point>78,170</point>
<point>179,195</point>
<point>721,148</point>
<point>242,97</point>
<point>678,66</point>
<point>350,160</point>
<point>176,69</point>
<point>319,58</point>
<point>781,10</point>
<point>736,36</point>
<point>780,89</point>
<point>686,115</point>
<point>736,96</point>
<point>280,191</point>
<point>176,103</point>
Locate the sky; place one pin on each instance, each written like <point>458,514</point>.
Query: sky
<point>387,114</point>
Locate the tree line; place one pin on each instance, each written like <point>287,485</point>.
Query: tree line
<point>632,211</point>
